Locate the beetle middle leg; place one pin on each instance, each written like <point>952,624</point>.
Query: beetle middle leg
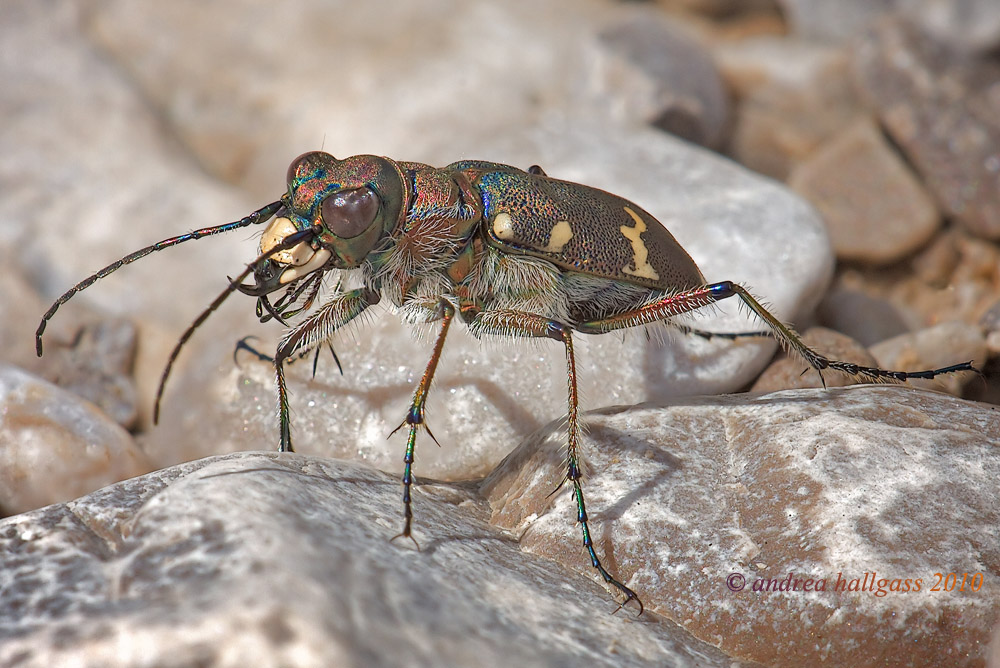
<point>685,301</point>
<point>521,323</point>
<point>445,312</point>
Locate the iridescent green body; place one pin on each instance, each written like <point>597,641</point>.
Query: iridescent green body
<point>514,253</point>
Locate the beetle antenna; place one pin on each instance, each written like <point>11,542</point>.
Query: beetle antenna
<point>259,216</point>
<point>290,241</point>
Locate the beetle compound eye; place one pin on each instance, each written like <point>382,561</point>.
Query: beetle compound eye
<point>348,213</point>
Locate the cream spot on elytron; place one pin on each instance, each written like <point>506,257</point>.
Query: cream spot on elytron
<point>502,227</point>
<point>643,269</point>
<point>559,237</point>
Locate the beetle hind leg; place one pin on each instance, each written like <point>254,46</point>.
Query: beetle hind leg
<point>521,323</point>
<point>695,298</point>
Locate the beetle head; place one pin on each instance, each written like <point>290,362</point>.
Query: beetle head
<point>351,204</point>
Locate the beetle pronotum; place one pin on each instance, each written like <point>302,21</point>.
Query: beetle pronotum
<point>513,253</point>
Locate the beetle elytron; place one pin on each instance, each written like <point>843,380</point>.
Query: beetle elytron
<point>513,253</point>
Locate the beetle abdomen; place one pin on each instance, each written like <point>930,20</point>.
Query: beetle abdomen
<point>582,229</point>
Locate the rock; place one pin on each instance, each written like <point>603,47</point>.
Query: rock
<point>991,319</point>
<point>963,24</point>
<point>56,447</point>
<point>790,372</point>
<point>942,109</point>
<point>215,562</point>
<point>782,122</point>
<point>872,305</point>
<point>874,208</point>
<point>20,310</point>
<point>96,364</point>
<point>936,263</point>
<point>834,21</point>
<point>79,200</point>
<point>679,90</point>
<point>266,560</point>
<point>935,347</point>
<point>481,70</point>
<point>720,8</point>
<point>870,485</point>
<point>864,317</point>
<point>774,59</point>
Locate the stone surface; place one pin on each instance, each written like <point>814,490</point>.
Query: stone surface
<point>96,364</point>
<point>965,24</point>
<point>943,109</point>
<point>720,8</point>
<point>786,118</point>
<point>773,59</point>
<point>870,480</point>
<point>54,446</point>
<point>680,90</point>
<point>265,560</point>
<point>935,347</point>
<point>836,21</point>
<point>874,208</point>
<point>864,317</point>
<point>960,284</point>
<point>789,372</point>
<point>286,559</point>
<point>155,131</point>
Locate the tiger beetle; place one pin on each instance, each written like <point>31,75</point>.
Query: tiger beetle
<point>514,253</point>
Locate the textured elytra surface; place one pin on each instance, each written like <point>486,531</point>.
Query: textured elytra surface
<point>583,229</point>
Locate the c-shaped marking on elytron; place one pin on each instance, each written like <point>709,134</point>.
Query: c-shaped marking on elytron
<point>643,269</point>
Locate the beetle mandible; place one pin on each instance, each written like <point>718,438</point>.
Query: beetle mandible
<point>513,253</point>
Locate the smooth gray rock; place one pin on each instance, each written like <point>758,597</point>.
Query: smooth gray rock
<point>940,106</point>
<point>972,25</point>
<point>874,207</point>
<point>55,446</point>
<point>96,364</point>
<point>266,560</point>
<point>834,20</point>
<point>679,89</point>
<point>885,480</point>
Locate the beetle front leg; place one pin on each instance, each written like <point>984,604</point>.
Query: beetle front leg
<point>519,323</point>
<point>315,329</point>
<point>415,417</point>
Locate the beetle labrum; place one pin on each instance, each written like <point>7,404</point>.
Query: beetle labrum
<point>513,253</point>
